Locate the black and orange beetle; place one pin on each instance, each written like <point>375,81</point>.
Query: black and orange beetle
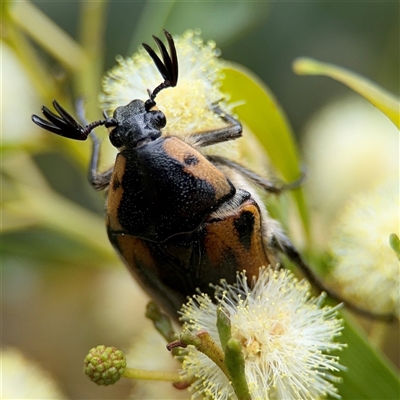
<point>179,219</point>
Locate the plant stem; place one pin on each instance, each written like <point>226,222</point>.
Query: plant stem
<point>47,34</point>
<point>168,376</point>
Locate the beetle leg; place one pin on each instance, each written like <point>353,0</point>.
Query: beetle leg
<point>268,186</point>
<point>231,132</point>
<point>98,180</point>
<point>283,244</point>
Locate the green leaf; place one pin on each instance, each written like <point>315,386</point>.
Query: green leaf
<point>222,22</point>
<point>369,376</point>
<point>380,98</point>
<point>394,243</point>
<point>261,112</point>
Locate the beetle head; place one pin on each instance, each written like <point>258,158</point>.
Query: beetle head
<point>136,125</point>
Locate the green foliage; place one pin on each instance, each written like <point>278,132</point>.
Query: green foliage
<point>368,375</point>
<point>380,98</point>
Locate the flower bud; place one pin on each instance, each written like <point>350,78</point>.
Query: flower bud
<point>104,365</point>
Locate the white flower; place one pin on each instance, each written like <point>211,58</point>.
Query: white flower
<point>285,333</point>
<point>187,106</point>
<point>367,270</point>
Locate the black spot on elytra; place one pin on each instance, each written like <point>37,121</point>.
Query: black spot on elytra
<point>190,159</point>
<point>116,184</point>
<point>244,226</point>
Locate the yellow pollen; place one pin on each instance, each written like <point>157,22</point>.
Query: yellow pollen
<point>278,329</point>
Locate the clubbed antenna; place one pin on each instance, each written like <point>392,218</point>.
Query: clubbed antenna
<point>65,125</point>
<point>168,67</point>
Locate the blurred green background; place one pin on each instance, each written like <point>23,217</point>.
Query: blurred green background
<point>64,290</point>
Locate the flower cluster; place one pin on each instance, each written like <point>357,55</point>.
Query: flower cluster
<point>286,338</point>
<point>188,106</point>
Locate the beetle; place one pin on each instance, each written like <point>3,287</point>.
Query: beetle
<point>180,220</point>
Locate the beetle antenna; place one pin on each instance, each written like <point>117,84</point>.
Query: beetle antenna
<point>65,125</point>
<point>168,68</point>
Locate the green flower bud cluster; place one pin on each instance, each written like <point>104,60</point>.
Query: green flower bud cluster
<point>104,365</point>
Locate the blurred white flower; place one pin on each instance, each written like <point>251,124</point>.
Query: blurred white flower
<point>349,146</point>
<point>366,269</point>
<point>285,333</point>
<point>19,99</point>
<point>23,379</point>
